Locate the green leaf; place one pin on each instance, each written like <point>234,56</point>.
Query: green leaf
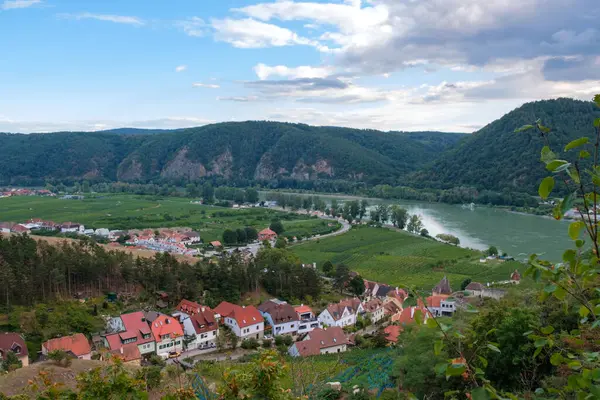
<point>579,243</point>
<point>524,128</point>
<point>575,229</point>
<point>437,347</point>
<point>574,364</point>
<point>560,293</point>
<point>547,155</point>
<point>583,311</point>
<point>597,123</point>
<point>493,348</point>
<point>569,255</point>
<point>557,165</point>
<point>550,288</point>
<point>556,359</point>
<point>418,315</point>
<point>546,187</point>
<point>543,128</point>
<point>585,153</point>
<point>455,370</point>
<point>483,361</point>
<point>537,352</point>
<point>577,143</point>
<point>597,100</point>
<point>546,330</point>
<point>573,174</point>
<point>441,368</point>
<point>479,394</point>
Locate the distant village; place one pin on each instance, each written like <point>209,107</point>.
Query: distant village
<point>192,329</point>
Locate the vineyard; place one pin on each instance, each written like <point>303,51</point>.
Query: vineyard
<point>399,258</point>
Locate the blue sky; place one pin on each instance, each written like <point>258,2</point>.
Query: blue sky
<point>451,65</point>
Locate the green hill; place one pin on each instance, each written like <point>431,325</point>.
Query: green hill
<point>496,158</point>
<point>244,150</point>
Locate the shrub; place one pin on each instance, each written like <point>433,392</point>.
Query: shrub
<point>60,358</point>
<point>250,344</point>
<point>267,343</point>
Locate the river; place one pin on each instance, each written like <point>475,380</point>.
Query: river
<point>514,233</point>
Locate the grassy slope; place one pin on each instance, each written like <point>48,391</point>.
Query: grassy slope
<point>399,258</point>
<point>131,212</point>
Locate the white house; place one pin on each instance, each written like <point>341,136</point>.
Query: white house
<point>245,322</point>
<point>168,334</point>
<point>102,232</point>
<point>307,319</point>
<point>130,330</point>
<point>72,227</point>
<point>341,314</point>
<point>281,316</point>
<point>199,324</point>
<point>320,341</point>
<point>441,305</point>
<point>374,310</point>
<point>475,288</point>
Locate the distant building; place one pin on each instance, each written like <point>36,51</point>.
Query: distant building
<point>76,345</point>
<point>18,228</point>
<point>442,288</point>
<point>129,330</point>
<point>307,319</point>
<point>475,288</point>
<point>168,334</point>
<point>71,227</point>
<point>441,305</point>
<point>374,310</point>
<point>515,277</point>
<point>281,316</point>
<point>10,341</point>
<point>267,234</point>
<point>199,324</point>
<point>341,314</point>
<point>320,341</point>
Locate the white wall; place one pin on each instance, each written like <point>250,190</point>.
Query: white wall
<point>169,345</point>
<point>334,349</point>
<point>147,348</point>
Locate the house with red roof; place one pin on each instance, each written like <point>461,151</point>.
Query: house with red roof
<point>392,309</point>
<point>245,322</point>
<point>267,234</point>
<point>374,310</point>
<point>168,334</point>
<point>75,345</point>
<point>18,228</point>
<point>10,341</point>
<point>128,331</point>
<point>199,324</point>
<point>320,341</point>
<point>307,319</point>
<point>392,332</point>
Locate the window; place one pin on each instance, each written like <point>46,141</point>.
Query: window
<point>214,333</point>
<point>178,342</point>
<point>256,327</point>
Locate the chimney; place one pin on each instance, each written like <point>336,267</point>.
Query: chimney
<point>121,349</point>
<point>412,312</point>
<point>314,265</point>
<point>167,321</point>
<point>203,308</point>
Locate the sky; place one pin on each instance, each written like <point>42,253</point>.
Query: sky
<point>449,65</point>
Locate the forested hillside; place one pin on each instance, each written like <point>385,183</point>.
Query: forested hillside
<point>260,151</point>
<point>497,158</point>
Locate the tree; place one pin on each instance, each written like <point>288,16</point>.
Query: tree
<point>10,362</point>
<point>208,193</point>
<point>334,207</point>
<point>364,204</point>
<point>192,190</point>
<point>375,215</point>
<point>357,285</point>
<point>277,227</point>
<point>415,224</point>
<point>492,251</point>
<point>424,232</point>
<point>241,236</point>
<point>327,268</point>
<point>280,243</point>
<point>251,195</point>
<point>445,237</point>
<point>384,213</point>
<point>398,216</point>
<point>465,283</point>
<point>229,237</point>
<point>342,276</point>
<point>251,233</point>
<point>60,357</point>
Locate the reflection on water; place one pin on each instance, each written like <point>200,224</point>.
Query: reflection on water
<point>517,234</point>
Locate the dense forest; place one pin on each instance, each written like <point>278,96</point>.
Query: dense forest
<point>496,158</point>
<point>259,151</point>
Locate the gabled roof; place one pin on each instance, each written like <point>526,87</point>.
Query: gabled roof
<point>436,301</point>
<point>515,276</point>
<point>19,228</point>
<point>216,243</point>
<point>279,312</point>
<point>267,231</point>
<point>204,321</point>
<point>372,305</point>
<point>76,344</point>
<point>244,316</point>
<point>302,309</point>
<point>337,309</point>
<point>443,287</point>
<point>383,290</point>
<point>166,325</point>
<point>475,286</point>
<point>12,341</point>
<point>188,307</point>
<point>392,332</point>
<point>391,308</point>
<point>399,294</point>
<point>127,352</point>
<point>408,315</point>
<point>319,339</point>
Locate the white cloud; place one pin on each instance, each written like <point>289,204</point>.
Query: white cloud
<point>180,68</point>
<point>118,19</point>
<point>15,4</point>
<point>249,33</point>
<point>265,71</point>
<point>205,85</point>
<point>194,26</point>
<point>240,99</point>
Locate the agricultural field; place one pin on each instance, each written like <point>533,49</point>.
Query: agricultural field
<point>115,211</point>
<point>400,258</point>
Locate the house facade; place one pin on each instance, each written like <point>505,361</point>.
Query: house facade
<point>475,288</point>
<point>341,314</point>
<point>281,316</point>
<point>307,320</point>
<point>15,343</point>
<point>245,322</point>
<point>199,324</point>
<point>320,341</point>
<point>168,334</point>
<point>267,234</point>
<point>76,345</point>
<point>441,305</point>
<point>130,330</point>
<point>374,310</point>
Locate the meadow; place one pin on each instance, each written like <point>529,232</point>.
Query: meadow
<point>400,258</point>
<point>116,211</point>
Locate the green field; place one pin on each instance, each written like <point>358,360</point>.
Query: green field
<point>399,258</point>
<point>115,211</point>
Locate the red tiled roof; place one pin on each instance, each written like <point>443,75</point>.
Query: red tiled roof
<point>408,314</point>
<point>474,286</point>
<point>319,339</point>
<point>76,344</point>
<point>188,307</point>
<point>392,332</point>
<point>244,316</point>
<point>399,294</point>
<point>166,325</point>
<point>391,308</point>
<point>127,352</point>
<point>267,231</point>
<point>337,309</point>
<point>19,228</point>
<point>279,312</point>
<point>216,243</point>
<point>373,305</point>
<point>303,309</point>
<point>10,341</point>
<point>204,321</point>
<point>436,301</point>
<point>136,326</point>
